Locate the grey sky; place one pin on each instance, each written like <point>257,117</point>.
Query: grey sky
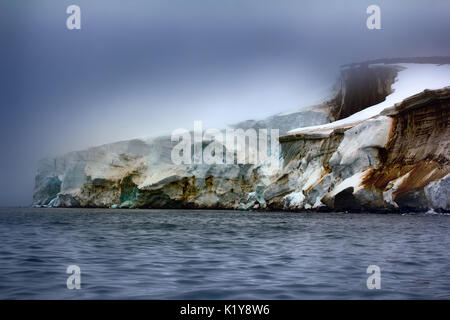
<point>140,68</point>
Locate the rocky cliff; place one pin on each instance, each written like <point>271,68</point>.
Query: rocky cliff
<point>367,148</point>
<point>398,160</point>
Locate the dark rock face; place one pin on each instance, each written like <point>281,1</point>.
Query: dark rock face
<point>345,199</point>
<point>360,87</point>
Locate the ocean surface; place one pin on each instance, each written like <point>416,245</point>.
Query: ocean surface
<point>182,254</point>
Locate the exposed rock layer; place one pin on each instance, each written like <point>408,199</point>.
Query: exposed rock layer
<point>418,151</point>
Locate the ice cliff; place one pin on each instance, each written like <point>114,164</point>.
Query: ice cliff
<point>381,143</point>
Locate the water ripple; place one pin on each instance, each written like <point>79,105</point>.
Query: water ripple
<point>177,254</point>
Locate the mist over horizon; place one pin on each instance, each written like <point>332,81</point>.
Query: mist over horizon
<point>145,68</point>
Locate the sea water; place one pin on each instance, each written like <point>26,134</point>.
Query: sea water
<point>208,254</point>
